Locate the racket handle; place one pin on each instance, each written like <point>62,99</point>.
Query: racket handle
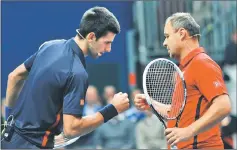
<point>174,147</point>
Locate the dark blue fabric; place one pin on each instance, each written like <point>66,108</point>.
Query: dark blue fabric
<point>57,80</point>
<point>17,142</point>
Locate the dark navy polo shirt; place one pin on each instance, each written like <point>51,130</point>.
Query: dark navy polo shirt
<point>56,85</point>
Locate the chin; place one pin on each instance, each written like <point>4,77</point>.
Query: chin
<point>94,56</point>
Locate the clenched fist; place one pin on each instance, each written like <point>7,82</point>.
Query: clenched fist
<point>120,102</point>
<point>140,102</point>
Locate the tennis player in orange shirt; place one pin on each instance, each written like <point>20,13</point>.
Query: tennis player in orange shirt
<point>207,98</point>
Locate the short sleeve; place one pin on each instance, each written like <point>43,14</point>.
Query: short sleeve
<point>29,62</point>
<point>74,98</point>
<point>209,79</point>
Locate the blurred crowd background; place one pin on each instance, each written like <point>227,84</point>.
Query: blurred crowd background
<point>26,25</point>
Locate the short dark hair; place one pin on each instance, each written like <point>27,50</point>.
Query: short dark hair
<point>100,21</point>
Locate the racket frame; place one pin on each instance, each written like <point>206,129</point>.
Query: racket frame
<point>149,101</point>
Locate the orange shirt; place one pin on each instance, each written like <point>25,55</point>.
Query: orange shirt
<point>204,82</point>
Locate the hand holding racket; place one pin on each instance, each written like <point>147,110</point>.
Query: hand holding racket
<point>164,91</point>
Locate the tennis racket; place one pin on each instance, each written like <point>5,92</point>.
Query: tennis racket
<point>165,90</point>
<point>61,141</point>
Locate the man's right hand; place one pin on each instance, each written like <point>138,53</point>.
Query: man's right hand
<point>120,102</point>
<point>140,102</point>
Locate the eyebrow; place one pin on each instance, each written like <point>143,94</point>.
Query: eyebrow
<point>165,34</point>
<point>108,41</point>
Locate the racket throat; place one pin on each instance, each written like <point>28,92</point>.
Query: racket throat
<point>158,116</point>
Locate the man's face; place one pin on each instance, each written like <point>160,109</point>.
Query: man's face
<point>102,45</point>
<point>172,41</point>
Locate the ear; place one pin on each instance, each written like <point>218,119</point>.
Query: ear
<point>91,36</point>
<point>182,33</point>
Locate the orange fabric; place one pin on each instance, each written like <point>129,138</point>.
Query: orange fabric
<point>204,82</point>
<point>45,138</point>
<point>132,79</point>
<point>177,97</point>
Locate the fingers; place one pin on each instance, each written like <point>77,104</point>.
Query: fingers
<point>171,137</point>
<point>171,140</point>
<point>122,94</point>
<point>140,96</point>
<point>125,95</point>
<point>168,131</point>
<point>174,143</point>
<point>119,93</point>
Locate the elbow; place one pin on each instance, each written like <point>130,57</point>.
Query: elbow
<point>71,131</point>
<point>68,133</point>
<point>12,76</point>
<point>227,107</point>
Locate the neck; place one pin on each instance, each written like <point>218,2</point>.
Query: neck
<point>189,45</point>
<point>82,44</point>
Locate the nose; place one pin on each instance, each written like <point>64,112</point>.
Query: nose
<point>108,48</point>
<point>165,43</point>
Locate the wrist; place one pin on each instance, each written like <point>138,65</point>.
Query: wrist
<point>108,112</point>
<point>192,130</point>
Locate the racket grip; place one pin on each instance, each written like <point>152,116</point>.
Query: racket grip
<point>174,147</point>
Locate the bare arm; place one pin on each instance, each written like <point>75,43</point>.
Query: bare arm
<point>161,108</point>
<point>14,84</point>
<point>81,126</point>
<point>76,126</point>
<point>141,104</point>
<point>218,110</point>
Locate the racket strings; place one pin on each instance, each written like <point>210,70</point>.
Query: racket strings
<point>164,85</point>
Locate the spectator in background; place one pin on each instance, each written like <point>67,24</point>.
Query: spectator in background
<point>150,133</point>
<point>92,105</point>
<point>230,51</point>
<point>93,102</point>
<point>229,135</point>
<point>229,68</point>
<point>108,93</point>
<point>118,132</point>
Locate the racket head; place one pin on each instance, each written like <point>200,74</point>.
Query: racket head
<point>163,82</point>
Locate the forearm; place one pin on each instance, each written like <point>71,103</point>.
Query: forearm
<point>84,125</point>
<point>218,110</point>
<point>161,108</point>
<point>14,86</point>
